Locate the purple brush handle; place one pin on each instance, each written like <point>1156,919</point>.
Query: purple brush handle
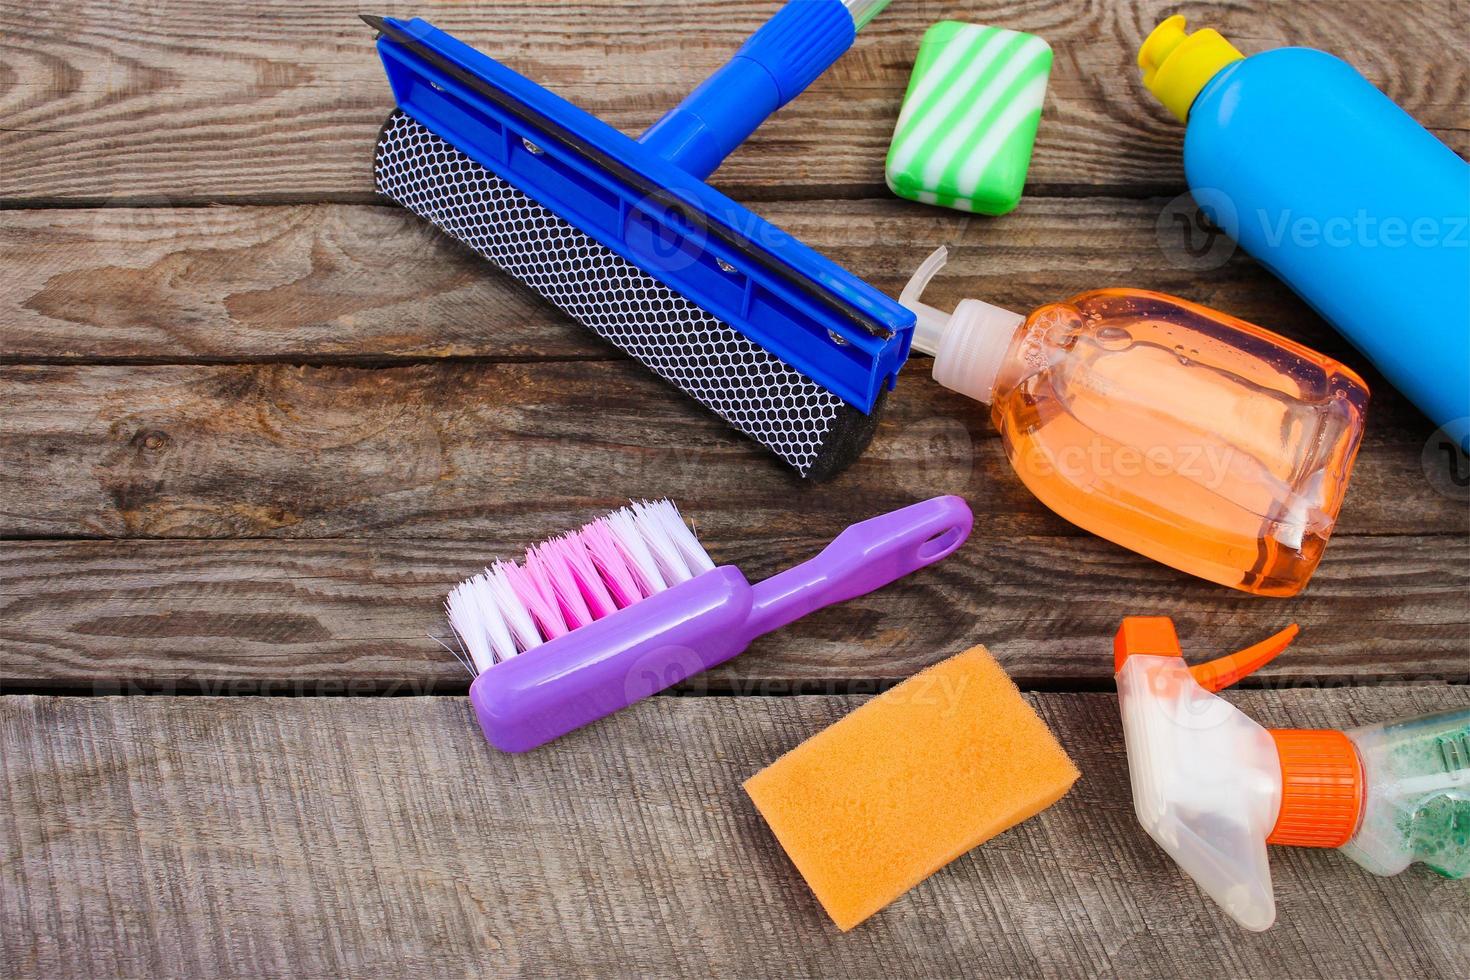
<point>863,558</point>
<point>597,669</point>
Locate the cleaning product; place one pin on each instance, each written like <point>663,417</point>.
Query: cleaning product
<point>632,604</point>
<point>969,118</point>
<point>1194,438</point>
<point>1339,192</point>
<point>914,778</point>
<point>627,238</point>
<point>1213,788</point>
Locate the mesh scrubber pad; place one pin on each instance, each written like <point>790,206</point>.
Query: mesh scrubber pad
<point>806,425</point>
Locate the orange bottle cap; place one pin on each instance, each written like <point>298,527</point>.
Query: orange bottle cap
<point>1321,788</point>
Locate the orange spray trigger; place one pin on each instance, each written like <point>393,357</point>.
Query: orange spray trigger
<point>1216,675</point>
<point>1145,636</point>
<point>1154,636</point>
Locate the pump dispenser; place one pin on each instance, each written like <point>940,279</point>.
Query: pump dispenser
<point>969,345</point>
<point>1213,787</point>
<point>1199,440</point>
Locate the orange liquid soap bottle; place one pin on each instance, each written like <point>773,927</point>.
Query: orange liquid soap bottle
<point>1199,440</point>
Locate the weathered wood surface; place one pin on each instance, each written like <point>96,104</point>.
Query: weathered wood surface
<point>361,284</point>
<point>454,449</point>
<point>357,617</point>
<point>245,449</point>
<point>193,100</point>
<point>369,284</point>
<point>312,837</point>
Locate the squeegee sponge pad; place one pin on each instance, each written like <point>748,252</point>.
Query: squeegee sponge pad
<point>908,782</point>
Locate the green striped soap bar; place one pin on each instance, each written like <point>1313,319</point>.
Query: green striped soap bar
<point>969,120</point>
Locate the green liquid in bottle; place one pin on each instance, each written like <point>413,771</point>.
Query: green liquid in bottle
<point>1417,805</point>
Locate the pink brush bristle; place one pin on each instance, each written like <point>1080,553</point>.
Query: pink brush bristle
<point>552,569</point>
<point>635,551</point>
<point>538,601</point>
<point>570,552</point>
<point>509,607</point>
<point>602,546</point>
<point>572,580</point>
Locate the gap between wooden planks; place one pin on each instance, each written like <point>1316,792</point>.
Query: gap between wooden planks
<point>451,449</point>
<point>309,837</point>
<point>194,101</point>
<point>357,284</point>
<point>352,617</point>
<point>192,835</point>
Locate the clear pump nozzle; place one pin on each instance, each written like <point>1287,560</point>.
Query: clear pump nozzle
<point>969,345</point>
<point>929,329</point>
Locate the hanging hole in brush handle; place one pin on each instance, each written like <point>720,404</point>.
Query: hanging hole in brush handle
<point>865,557</point>
<point>942,544</point>
<point>771,68</point>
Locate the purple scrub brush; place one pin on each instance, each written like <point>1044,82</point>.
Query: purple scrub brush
<point>631,604</point>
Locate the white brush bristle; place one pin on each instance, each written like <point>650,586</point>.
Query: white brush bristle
<point>617,560</point>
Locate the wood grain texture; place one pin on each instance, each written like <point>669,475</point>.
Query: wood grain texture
<point>317,282</point>
<point>191,100</point>
<point>365,284</point>
<point>245,449</point>
<point>357,617</point>
<point>453,449</point>
<point>311,837</point>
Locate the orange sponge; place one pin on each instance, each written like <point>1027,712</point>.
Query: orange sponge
<point>910,781</point>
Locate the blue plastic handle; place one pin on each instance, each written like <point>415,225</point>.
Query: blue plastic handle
<point>773,67</point>
<point>786,298</point>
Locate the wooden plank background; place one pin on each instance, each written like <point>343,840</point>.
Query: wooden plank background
<point>192,100</point>
<point>319,836</point>
<point>255,424</point>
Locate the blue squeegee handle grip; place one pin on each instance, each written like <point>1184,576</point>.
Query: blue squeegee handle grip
<point>771,68</point>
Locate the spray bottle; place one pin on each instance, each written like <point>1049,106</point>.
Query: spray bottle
<point>1213,788</point>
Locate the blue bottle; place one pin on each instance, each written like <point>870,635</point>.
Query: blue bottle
<point>1340,193</point>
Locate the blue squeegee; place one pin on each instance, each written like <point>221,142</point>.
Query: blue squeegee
<point>626,237</point>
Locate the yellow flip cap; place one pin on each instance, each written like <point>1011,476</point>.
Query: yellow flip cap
<point>1177,64</point>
